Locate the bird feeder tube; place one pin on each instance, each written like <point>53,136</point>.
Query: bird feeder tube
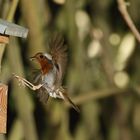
<point>7,29</point>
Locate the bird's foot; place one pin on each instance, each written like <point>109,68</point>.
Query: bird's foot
<point>25,82</point>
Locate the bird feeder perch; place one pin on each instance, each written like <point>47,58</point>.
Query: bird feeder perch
<point>7,29</point>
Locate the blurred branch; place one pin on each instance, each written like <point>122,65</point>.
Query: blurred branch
<point>94,95</point>
<point>12,10</point>
<point>123,9</point>
<point>16,130</point>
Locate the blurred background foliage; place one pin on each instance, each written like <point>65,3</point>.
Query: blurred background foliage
<point>102,75</point>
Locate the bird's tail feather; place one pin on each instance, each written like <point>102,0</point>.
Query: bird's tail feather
<point>66,98</point>
<point>73,105</point>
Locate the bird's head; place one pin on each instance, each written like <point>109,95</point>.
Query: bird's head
<point>38,56</point>
<point>44,59</point>
<point>41,57</point>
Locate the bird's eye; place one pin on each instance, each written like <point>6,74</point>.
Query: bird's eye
<point>41,56</point>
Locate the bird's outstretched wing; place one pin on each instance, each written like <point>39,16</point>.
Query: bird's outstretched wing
<point>58,51</point>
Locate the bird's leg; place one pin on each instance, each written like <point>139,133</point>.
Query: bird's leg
<point>27,83</point>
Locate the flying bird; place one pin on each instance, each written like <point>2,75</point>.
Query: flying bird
<point>52,70</point>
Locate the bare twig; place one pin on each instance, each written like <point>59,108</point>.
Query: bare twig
<point>123,9</point>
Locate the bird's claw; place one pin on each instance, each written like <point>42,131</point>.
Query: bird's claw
<point>25,82</point>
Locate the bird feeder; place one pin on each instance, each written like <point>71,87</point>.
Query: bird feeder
<point>7,29</point>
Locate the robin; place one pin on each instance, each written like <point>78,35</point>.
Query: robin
<point>52,70</point>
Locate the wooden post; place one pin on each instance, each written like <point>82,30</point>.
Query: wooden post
<point>3,107</point>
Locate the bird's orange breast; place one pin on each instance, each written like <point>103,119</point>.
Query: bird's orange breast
<point>46,66</point>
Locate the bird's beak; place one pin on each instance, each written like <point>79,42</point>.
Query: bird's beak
<point>32,58</point>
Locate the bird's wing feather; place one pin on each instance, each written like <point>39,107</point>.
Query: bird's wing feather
<point>42,93</point>
<point>59,55</point>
